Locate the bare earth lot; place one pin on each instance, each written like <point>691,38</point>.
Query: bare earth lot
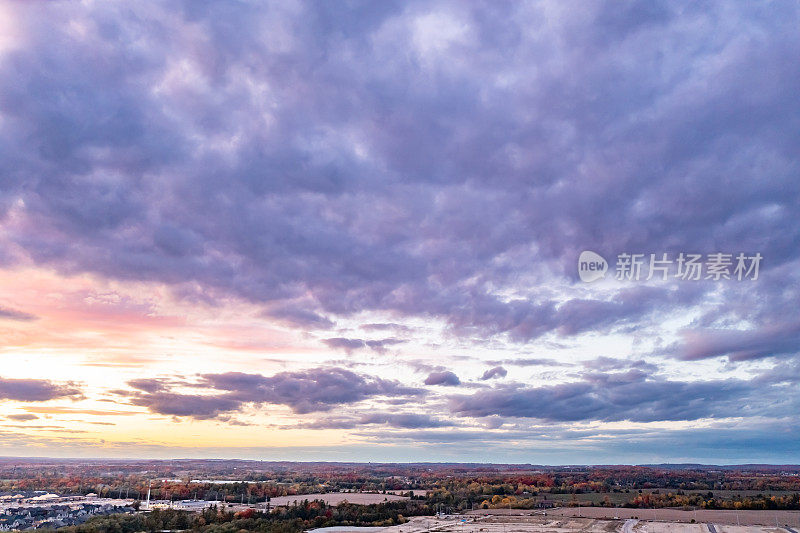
<point>417,492</point>
<point>335,498</point>
<point>561,521</point>
<point>745,518</point>
<point>505,524</point>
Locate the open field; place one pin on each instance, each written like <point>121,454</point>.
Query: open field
<point>538,523</point>
<point>346,529</point>
<point>417,492</point>
<point>335,498</point>
<point>620,498</point>
<point>587,498</point>
<point>721,517</point>
<point>765,518</point>
<point>717,517</point>
<point>504,524</point>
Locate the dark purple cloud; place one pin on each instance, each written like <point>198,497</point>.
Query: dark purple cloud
<point>150,385</point>
<point>443,377</point>
<point>741,345</point>
<point>530,361</point>
<point>386,325</point>
<point>404,420</point>
<point>496,372</point>
<point>37,390</point>
<point>386,419</point>
<point>197,406</point>
<point>22,417</point>
<point>605,364</point>
<point>634,395</point>
<point>312,390</point>
<point>296,314</point>
<point>350,345</point>
<point>364,163</point>
<point>15,314</point>
<point>342,343</point>
<point>317,389</point>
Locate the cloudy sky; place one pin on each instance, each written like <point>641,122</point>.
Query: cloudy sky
<point>350,230</point>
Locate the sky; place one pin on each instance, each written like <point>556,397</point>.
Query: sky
<point>351,230</point>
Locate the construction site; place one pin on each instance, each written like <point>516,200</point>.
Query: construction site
<point>614,520</point>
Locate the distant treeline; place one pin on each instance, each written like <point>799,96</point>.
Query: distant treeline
<point>709,501</point>
<point>645,488</point>
<point>294,519</point>
<point>455,486</point>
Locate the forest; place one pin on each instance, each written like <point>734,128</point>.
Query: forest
<point>303,516</point>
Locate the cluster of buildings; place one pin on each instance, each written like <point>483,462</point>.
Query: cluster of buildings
<point>39,510</point>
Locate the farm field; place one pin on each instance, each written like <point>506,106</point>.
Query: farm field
<point>720,517</point>
<point>504,524</point>
<point>620,498</point>
<point>507,523</point>
<point>335,498</point>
